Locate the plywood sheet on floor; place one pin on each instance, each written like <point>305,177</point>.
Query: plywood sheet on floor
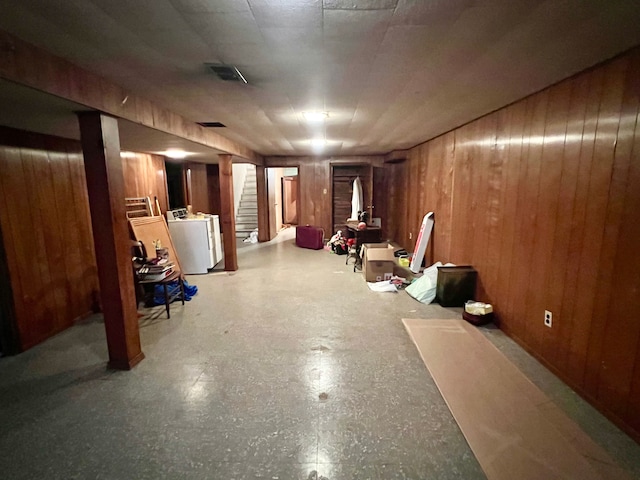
<point>513,428</point>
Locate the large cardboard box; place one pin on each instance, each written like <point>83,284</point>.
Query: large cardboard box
<point>363,253</point>
<point>379,264</point>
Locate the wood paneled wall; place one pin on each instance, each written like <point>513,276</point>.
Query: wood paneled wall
<point>44,217</point>
<point>213,185</point>
<point>543,198</point>
<point>199,187</point>
<point>46,228</point>
<point>314,174</point>
<point>145,176</point>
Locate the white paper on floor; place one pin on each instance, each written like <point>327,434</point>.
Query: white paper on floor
<point>384,286</point>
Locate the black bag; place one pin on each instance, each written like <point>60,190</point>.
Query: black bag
<point>340,248</point>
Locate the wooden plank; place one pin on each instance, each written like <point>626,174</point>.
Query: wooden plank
<point>496,206</point>
<point>615,334</point>
<point>460,194</point>
<point>36,234</point>
<point>535,172</point>
<point>596,214</point>
<point>627,248</point>
<point>572,357</point>
<point>87,283</point>
<point>527,438</point>
<point>513,154</point>
<point>70,219</point>
<point>515,322</point>
<point>483,216</point>
<point>547,204</point>
<point>446,194</point>
<point>560,256</point>
<point>51,183</point>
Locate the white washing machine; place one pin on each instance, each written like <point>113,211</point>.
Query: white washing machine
<point>196,240</point>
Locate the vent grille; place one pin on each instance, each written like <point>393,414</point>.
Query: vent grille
<point>212,124</point>
<point>228,73</point>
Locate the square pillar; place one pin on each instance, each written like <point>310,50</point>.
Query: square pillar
<point>105,184</point>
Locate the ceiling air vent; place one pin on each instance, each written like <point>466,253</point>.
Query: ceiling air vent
<point>228,73</point>
<point>211,124</point>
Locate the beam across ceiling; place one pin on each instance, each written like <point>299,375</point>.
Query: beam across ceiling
<point>25,64</point>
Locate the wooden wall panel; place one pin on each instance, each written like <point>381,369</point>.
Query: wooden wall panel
<point>542,198</point>
<point>145,175</point>
<point>616,332</point>
<point>213,184</point>
<point>381,196</point>
<point>46,233</point>
<point>199,187</point>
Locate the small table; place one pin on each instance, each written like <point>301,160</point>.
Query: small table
<point>370,234</point>
<point>164,282</point>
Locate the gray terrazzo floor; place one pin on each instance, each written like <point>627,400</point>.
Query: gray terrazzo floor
<point>290,368</point>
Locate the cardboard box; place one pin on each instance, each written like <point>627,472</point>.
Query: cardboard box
<point>378,264</point>
<point>363,254</point>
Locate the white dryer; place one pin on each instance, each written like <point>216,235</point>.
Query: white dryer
<point>196,240</point>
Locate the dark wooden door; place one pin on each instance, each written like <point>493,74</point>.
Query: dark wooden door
<point>290,200</point>
<point>343,177</point>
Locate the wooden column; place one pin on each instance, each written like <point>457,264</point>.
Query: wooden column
<point>227,214</point>
<point>263,204</point>
<point>105,185</point>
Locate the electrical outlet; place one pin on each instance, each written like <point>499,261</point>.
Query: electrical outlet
<point>548,318</point>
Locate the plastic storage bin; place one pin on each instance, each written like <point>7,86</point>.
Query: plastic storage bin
<point>455,285</point>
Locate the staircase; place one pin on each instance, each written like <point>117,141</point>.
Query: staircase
<point>247,216</point>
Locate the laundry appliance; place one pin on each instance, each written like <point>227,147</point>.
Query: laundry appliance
<point>196,240</point>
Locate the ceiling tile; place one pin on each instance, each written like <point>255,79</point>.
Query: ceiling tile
<point>207,6</point>
<point>288,16</point>
<point>360,4</point>
<point>236,27</point>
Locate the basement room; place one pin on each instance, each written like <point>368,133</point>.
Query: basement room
<point>320,239</point>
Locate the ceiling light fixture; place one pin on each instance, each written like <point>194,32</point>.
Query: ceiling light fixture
<point>318,144</point>
<point>175,153</point>
<point>127,155</point>
<point>315,117</point>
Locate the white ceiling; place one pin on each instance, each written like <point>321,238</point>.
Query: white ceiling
<point>391,73</point>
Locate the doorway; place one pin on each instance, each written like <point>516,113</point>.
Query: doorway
<point>283,194</point>
<point>175,185</point>
<point>342,178</point>
<point>290,199</point>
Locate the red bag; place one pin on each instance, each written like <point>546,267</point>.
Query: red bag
<point>310,237</point>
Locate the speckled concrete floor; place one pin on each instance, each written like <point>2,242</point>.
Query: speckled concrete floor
<point>288,369</point>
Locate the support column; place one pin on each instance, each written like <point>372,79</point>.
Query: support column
<point>227,214</point>
<point>263,204</point>
<point>105,185</point>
